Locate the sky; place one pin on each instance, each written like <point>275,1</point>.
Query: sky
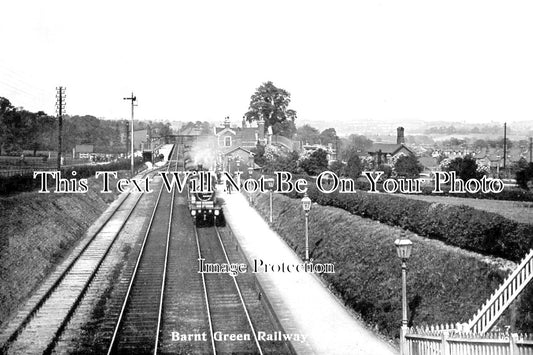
<point>351,61</point>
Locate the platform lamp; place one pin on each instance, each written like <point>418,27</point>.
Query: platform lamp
<point>403,248</point>
<point>250,172</point>
<point>270,185</point>
<point>238,163</point>
<point>306,205</point>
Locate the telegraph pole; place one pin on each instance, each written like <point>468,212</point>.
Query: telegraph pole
<point>530,149</point>
<point>60,106</point>
<point>504,145</point>
<point>133,99</point>
<point>127,137</point>
<point>337,148</point>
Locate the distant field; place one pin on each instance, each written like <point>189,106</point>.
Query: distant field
<point>474,136</point>
<point>516,211</point>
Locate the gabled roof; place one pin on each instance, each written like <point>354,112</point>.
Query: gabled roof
<point>238,148</point>
<point>387,148</point>
<point>220,130</point>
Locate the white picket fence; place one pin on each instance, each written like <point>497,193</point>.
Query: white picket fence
<point>489,313</point>
<point>473,338</point>
<point>445,340</point>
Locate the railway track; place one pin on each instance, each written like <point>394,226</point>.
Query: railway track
<point>172,308</point>
<point>38,329</point>
<point>159,298</point>
<point>138,325</point>
<point>231,327</point>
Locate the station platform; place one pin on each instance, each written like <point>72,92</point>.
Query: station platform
<point>301,302</point>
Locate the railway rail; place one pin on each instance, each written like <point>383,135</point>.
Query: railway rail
<point>172,308</point>
<point>139,321</point>
<point>38,329</point>
<point>160,296</point>
<point>231,327</point>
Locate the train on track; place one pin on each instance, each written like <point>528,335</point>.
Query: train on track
<point>204,204</point>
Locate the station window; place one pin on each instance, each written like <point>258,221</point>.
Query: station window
<point>227,141</point>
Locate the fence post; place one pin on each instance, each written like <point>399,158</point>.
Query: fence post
<point>513,347</point>
<point>444,345</point>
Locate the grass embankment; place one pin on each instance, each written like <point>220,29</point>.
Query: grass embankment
<point>38,231</point>
<point>445,284</point>
<point>462,226</point>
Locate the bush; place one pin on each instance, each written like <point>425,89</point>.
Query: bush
<point>524,175</point>
<point>20,183</point>
<point>462,226</point>
<point>444,285</point>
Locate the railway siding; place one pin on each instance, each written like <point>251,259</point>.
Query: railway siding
<point>54,278</point>
<point>37,329</point>
<point>91,327</point>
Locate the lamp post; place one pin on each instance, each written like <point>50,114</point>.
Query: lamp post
<point>403,248</point>
<point>250,171</point>
<point>229,161</point>
<point>238,162</point>
<point>306,205</point>
<point>270,184</point>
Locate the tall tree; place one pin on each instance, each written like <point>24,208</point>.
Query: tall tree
<point>41,132</point>
<point>354,166</point>
<point>316,163</point>
<point>307,134</point>
<point>524,176</point>
<point>272,104</point>
<point>329,135</point>
<point>407,166</point>
<point>465,167</point>
<point>7,121</point>
<point>165,130</point>
<point>21,129</point>
<point>355,142</point>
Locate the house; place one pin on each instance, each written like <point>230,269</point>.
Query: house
<point>83,151</point>
<point>247,136</point>
<point>239,159</point>
<point>382,153</point>
<point>235,144</point>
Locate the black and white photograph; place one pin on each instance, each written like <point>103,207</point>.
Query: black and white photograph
<point>279,177</point>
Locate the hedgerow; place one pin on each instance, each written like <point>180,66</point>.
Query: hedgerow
<point>444,284</point>
<point>26,182</point>
<point>468,228</point>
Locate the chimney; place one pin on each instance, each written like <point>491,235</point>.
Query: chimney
<point>400,138</point>
<point>226,122</point>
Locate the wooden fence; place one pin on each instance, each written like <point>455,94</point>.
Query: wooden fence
<point>444,340</point>
<point>13,166</point>
<point>500,300</point>
<point>27,170</point>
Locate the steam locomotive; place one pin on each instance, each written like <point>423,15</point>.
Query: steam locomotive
<point>204,205</point>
